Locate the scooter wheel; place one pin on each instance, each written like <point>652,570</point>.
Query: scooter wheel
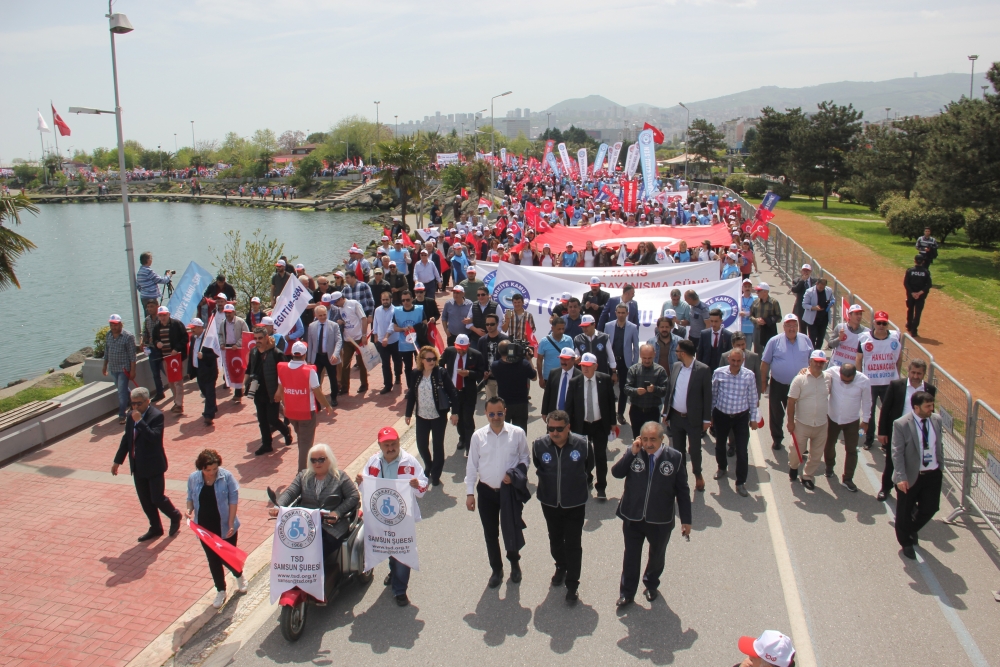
<point>293,621</point>
<point>367,577</point>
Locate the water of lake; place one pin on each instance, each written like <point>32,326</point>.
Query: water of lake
<point>79,273</point>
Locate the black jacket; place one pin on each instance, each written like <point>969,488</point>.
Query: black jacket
<point>264,368</point>
<point>799,288</point>
<point>712,356</point>
<point>650,497</point>
<point>445,395</point>
<point>208,364</point>
<point>917,279</point>
<point>562,471</point>
<point>550,399</point>
<point>474,363</point>
<point>177,335</point>
<point>600,347</point>
<point>606,402</point>
<point>598,300</point>
<point>149,459</point>
<point>894,404</point>
<point>512,499</point>
<point>478,313</point>
<point>431,309</point>
<point>699,396</point>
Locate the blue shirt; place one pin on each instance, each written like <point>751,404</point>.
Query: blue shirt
<point>389,470</point>
<point>408,318</point>
<point>227,492</point>
<point>787,358</point>
<point>746,302</point>
<point>459,264</point>
<point>730,271</point>
<point>398,256</point>
<point>569,259</point>
<point>551,352</point>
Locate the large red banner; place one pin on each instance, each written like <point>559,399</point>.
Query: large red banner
<point>613,233</point>
<point>630,193</point>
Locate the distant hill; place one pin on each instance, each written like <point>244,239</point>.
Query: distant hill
<point>588,103</point>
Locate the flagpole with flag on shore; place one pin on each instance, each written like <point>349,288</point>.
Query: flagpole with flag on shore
<point>42,127</point>
<point>60,125</point>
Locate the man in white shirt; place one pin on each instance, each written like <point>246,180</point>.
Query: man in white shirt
<point>355,323</point>
<point>494,450</point>
<point>850,402</point>
<point>289,380</point>
<point>387,342</point>
<point>427,272</point>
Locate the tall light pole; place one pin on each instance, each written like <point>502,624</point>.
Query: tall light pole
<point>192,136</point>
<point>119,24</point>
<point>887,110</point>
<point>160,153</point>
<point>548,121</point>
<point>475,132</point>
<point>493,134</point>
<point>175,143</point>
<point>378,129</point>
<point>985,88</point>
<point>972,75</point>
<point>395,132</point>
<point>686,126</point>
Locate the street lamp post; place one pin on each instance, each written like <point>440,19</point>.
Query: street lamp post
<point>972,75</point>
<point>119,24</point>
<point>378,128</point>
<point>686,126</point>
<point>160,153</point>
<point>175,143</point>
<point>192,136</point>
<point>985,88</point>
<point>493,134</point>
<point>548,121</point>
<point>887,110</point>
<point>475,132</point>
<point>395,132</point>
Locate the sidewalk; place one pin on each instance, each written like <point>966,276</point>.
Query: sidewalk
<point>75,586</point>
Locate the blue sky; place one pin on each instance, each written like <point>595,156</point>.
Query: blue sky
<point>241,65</point>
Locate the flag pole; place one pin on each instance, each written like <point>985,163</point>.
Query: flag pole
<point>55,132</point>
<point>41,160</point>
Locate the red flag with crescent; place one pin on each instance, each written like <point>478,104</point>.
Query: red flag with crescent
<point>434,336</point>
<point>233,556</point>
<point>236,367</point>
<point>249,342</point>
<point>547,206</point>
<point>174,366</point>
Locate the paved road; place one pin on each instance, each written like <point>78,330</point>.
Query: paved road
<point>822,566</point>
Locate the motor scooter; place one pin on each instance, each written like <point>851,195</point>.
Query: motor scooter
<point>345,567</point>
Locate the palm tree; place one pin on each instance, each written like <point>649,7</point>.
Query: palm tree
<point>12,244</point>
<point>406,160</point>
<point>478,173</point>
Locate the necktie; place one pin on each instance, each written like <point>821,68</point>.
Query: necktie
<point>561,404</point>
<point>649,460</point>
<point>461,380</point>
<point>923,429</point>
<point>715,341</point>
<point>322,330</point>
<point>589,401</point>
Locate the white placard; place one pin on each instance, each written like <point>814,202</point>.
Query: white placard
<point>297,553</point>
<point>390,527</point>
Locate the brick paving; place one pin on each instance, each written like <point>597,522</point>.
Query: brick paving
<point>76,588</point>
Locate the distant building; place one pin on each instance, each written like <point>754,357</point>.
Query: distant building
<point>735,131</point>
<point>515,126</point>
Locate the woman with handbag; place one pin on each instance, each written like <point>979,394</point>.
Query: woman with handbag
<point>431,395</point>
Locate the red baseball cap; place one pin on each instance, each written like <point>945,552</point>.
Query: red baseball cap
<point>387,433</point>
<point>881,316</point>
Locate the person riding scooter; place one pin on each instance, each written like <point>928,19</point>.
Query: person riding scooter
<point>325,487</point>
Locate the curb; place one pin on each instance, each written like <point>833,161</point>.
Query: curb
<point>178,633</point>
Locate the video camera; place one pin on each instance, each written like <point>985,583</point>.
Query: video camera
<point>518,350</point>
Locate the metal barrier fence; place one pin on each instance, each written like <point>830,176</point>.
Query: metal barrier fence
<point>971,429</point>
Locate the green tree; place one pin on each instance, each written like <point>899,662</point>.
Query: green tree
<point>704,141</point>
<point>820,147</point>
<point>888,159</point>
<point>306,170</point>
<point>771,144</point>
<point>552,133</point>
<point>909,217</point>
<point>12,244</point>
<point>248,264</point>
<point>406,159</point>
<point>26,173</point>
<point>478,174</point>
<point>264,141</point>
<point>454,177</point>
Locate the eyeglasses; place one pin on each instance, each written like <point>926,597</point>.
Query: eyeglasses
<point>490,325</point>
<point>407,300</point>
<point>430,360</point>
<point>494,415</point>
<point>556,429</point>
<point>318,461</point>
<point>136,402</point>
<point>259,339</point>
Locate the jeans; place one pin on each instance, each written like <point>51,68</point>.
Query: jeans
<point>426,428</point>
<point>389,353</point>
<point>156,367</point>
<point>120,378</point>
<point>399,576</point>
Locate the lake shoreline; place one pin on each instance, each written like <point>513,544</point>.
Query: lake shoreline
<point>243,202</point>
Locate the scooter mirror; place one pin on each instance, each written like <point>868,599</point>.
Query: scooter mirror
<point>272,496</point>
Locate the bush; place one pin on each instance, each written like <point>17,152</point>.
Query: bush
<point>909,217</point>
<point>811,190</point>
<point>996,260</point>
<point>755,187</point>
<point>983,227</point>
<point>736,183</point>
<point>99,337</point>
<point>781,189</point>
<point>846,195</point>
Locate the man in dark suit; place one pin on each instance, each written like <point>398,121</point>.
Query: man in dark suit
<point>895,404</point>
<point>688,408</point>
<point>203,365</point>
<point>142,442</point>
<point>714,342</point>
<point>556,395</point>
<point>591,408</point>
<point>628,298</point>
<point>918,457</point>
<point>465,367</point>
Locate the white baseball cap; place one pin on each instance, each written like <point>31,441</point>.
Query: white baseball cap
<point>162,309</point>
<point>300,267</point>
<point>588,359</point>
<point>567,353</point>
<point>594,280</point>
<point>747,281</point>
<point>817,355</point>
<point>337,296</point>
<point>587,320</point>
<point>280,262</point>
<point>267,321</point>
<point>196,322</point>
<point>763,287</point>
<point>221,297</point>
<point>472,269</point>
<point>772,647</point>
<point>807,267</point>
<point>790,317</point>
<point>671,313</point>
<point>299,347</point>
<point>117,318</point>
<point>566,296</point>
<point>458,288</point>
<point>461,340</point>
<point>385,238</point>
<point>229,308</point>
<point>326,298</point>
<point>255,299</point>
<point>856,308</point>
<point>419,287</point>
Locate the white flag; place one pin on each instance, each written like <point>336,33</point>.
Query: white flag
<point>622,255</point>
<point>42,127</point>
<point>289,306</point>
<point>211,340</point>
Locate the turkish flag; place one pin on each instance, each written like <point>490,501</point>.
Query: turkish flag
<point>235,365</point>
<point>408,242</point>
<point>358,271</point>
<point>764,215</point>
<point>547,206</point>
<point>434,336</point>
<point>234,557</point>
<point>60,123</point>
<point>174,366</point>
<point>657,133</point>
<point>485,203</point>
<point>760,229</point>
<point>529,334</point>
<point>465,195</point>
<point>249,342</point>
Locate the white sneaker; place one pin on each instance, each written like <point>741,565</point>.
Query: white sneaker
<point>241,584</point>
<point>220,599</point>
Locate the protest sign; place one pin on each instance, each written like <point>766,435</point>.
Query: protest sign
<point>184,302</point>
<point>297,553</point>
<point>390,523</point>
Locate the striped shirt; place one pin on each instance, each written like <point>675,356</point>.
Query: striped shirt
<point>362,293</point>
<point>733,394</point>
<point>119,352</point>
<point>146,281</point>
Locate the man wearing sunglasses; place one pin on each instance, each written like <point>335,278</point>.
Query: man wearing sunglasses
<point>562,462</point>
<point>880,353</point>
<point>489,347</point>
<point>483,307</point>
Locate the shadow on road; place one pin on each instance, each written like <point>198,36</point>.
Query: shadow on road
<point>562,622</point>
<point>385,625</point>
<point>131,565</point>
<point>654,634</point>
<point>499,618</point>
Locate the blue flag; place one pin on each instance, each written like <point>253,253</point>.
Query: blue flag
<point>770,199</point>
<point>184,302</point>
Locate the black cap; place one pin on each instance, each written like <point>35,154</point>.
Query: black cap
<point>919,259</point>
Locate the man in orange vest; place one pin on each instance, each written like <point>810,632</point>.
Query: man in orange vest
<point>299,389</point>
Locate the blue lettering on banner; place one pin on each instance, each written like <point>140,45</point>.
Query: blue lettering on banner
<point>728,306</point>
<point>504,291</point>
<point>184,302</point>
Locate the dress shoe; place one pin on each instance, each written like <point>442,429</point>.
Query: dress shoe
<point>559,577</point>
<point>623,602</point>
<point>435,481</point>
<point>650,594</point>
<point>175,525</point>
<point>881,496</point>
<point>158,397</point>
<point>829,472</point>
<point>719,474</point>
<point>601,495</point>
<point>699,483</point>
<point>362,389</point>
<point>809,484</point>
<point>909,552</point>
<point>333,402</point>
<point>730,452</point>
<point>742,490</point>
<point>496,579</point>
<point>571,596</point>
<point>386,390</point>
<point>263,450</point>
<point>621,419</point>
<point>793,474</point>
<point>150,535</point>
<point>515,573</point>
<point>288,439</point>
<point>387,580</point>
<point>777,446</point>
<point>402,600</point>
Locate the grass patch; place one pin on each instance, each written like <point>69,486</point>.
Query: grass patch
<point>68,383</point>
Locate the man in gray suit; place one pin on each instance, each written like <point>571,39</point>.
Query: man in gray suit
<point>623,339</point>
<point>688,408</point>
<point>751,360</point>
<point>918,458</point>
<point>325,345</point>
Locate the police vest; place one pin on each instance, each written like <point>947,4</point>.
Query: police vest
<point>298,395</point>
<point>847,352</point>
<point>880,357</point>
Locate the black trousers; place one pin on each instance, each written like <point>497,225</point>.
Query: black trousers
<point>489,515</point>
<point>215,564</point>
<point>887,483</point>
<point>565,525</point>
<point>622,379</point>
<point>817,330</point>
<point>777,402</point>
<point>267,417</point>
<point>917,506</point>
<point>323,363</point>
<point>207,377</point>
<point>389,353</point>
<point>465,408</point>
<point>426,429</point>
<point>878,392</point>
<point>739,426</point>
<point>407,358</point>
<point>914,307</point>
<point>518,415</point>
<point>597,441</point>
<point>685,439</point>
<point>639,416</point>
<point>658,535</point>
<point>153,501</point>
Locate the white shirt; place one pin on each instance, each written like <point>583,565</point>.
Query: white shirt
<point>910,390</point>
<point>382,323</point>
<point>353,315</point>
<point>680,403</point>
<point>313,383</point>
<point>928,457</point>
<point>197,348</point>
<point>851,401</point>
<point>590,386</point>
<point>492,455</point>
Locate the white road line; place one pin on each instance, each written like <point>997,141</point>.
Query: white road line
<point>962,633</point>
<point>804,654</point>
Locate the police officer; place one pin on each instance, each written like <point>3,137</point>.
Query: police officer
<point>562,463</point>
<point>655,476</point>
<point>917,283</point>
<point>927,246</point>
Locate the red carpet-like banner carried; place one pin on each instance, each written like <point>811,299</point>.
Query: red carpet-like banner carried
<point>614,234</point>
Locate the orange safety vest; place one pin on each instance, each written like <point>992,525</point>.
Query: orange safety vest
<point>298,396</point>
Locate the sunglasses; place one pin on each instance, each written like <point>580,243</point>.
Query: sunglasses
<point>407,300</point>
<point>494,415</point>
<point>430,360</point>
<point>317,461</point>
<point>881,324</point>
<point>490,325</point>
<point>556,429</point>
